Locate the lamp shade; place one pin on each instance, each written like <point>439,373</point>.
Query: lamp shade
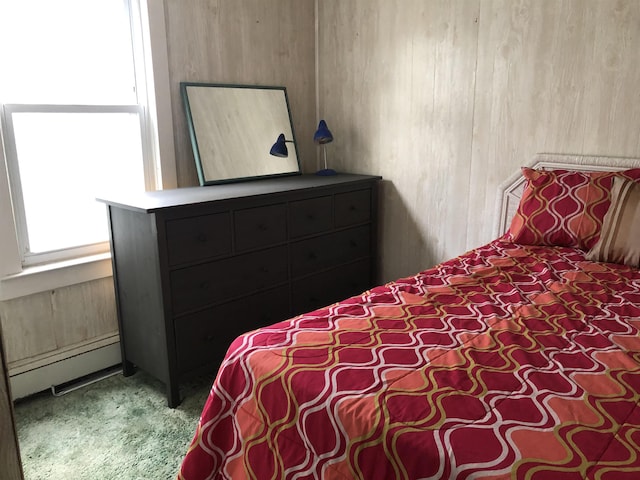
<point>279,149</point>
<point>323,134</point>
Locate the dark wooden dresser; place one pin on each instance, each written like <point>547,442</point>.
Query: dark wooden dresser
<point>195,267</point>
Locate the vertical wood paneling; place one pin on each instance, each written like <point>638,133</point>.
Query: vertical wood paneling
<point>553,76</point>
<point>612,81</point>
<point>84,312</point>
<point>243,42</point>
<point>396,86</point>
<point>52,320</point>
<point>446,100</point>
<point>27,326</point>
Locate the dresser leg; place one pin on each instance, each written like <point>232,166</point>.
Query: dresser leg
<point>127,368</point>
<point>173,395</point>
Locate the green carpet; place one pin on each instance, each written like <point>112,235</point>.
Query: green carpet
<point>116,428</point>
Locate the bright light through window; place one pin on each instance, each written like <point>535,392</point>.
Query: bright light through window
<point>66,52</point>
<point>65,158</point>
<point>74,127</point>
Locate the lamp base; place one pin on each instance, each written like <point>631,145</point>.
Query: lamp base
<point>326,172</point>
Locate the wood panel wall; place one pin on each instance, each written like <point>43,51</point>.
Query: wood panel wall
<point>250,42</point>
<point>447,99</point>
<point>396,87</point>
<point>43,323</point>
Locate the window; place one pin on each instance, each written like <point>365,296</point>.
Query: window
<point>75,123</point>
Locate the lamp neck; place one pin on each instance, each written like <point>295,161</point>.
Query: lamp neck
<point>324,154</point>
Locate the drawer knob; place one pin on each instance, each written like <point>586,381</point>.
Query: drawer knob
<point>353,208</point>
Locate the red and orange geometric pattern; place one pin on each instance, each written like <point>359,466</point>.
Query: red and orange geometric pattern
<point>508,362</point>
<point>564,208</point>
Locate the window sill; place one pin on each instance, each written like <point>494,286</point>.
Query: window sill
<point>55,275</point>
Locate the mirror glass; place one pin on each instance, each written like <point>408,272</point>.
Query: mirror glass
<point>232,129</point>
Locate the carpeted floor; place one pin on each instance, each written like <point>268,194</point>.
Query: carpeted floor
<point>116,428</point>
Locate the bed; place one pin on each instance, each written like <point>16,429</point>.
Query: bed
<point>519,359</point>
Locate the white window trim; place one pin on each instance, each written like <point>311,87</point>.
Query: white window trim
<point>14,175</point>
<point>158,92</point>
<point>9,252</point>
<point>18,282</point>
<point>51,276</point>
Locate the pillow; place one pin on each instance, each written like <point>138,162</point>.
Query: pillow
<point>620,238</point>
<point>564,208</point>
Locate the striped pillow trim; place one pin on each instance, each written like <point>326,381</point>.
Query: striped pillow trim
<point>619,241</point>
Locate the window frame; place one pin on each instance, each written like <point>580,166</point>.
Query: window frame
<point>152,66</point>
<point>29,258</point>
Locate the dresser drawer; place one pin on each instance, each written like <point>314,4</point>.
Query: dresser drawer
<point>215,282</point>
<point>260,227</point>
<point>330,286</point>
<point>202,338</point>
<point>318,253</point>
<point>352,207</point>
<point>197,238</point>
<point>311,216</point>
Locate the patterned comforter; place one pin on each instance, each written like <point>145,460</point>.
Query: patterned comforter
<point>508,362</point>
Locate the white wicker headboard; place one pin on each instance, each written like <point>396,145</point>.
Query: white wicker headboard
<point>510,191</point>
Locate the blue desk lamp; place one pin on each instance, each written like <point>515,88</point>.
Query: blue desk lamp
<point>279,149</point>
<point>322,137</point>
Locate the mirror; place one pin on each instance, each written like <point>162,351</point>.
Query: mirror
<point>232,129</point>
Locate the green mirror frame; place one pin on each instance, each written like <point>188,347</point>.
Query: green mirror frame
<point>232,129</point>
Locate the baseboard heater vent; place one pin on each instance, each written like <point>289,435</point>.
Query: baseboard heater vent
<point>67,387</point>
<point>66,369</point>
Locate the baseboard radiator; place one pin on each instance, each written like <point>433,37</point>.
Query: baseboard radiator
<point>66,371</point>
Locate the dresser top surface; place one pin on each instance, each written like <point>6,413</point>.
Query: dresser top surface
<point>152,201</point>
